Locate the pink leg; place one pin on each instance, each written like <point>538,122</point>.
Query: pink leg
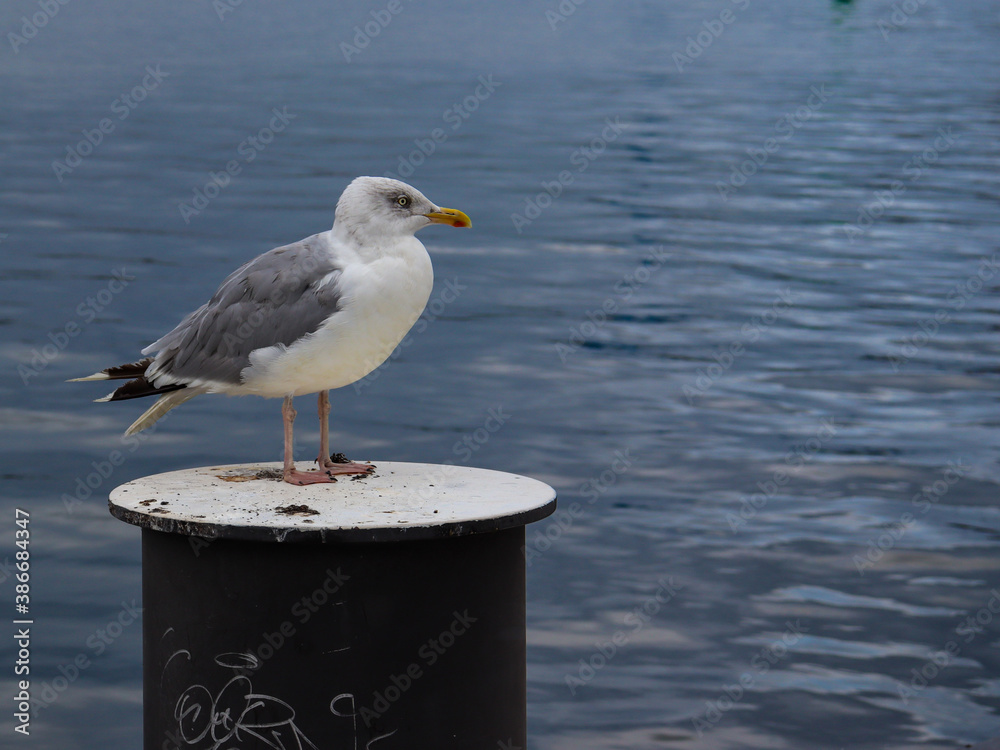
<point>290,473</point>
<point>326,463</point>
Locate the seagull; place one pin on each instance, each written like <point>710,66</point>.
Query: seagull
<point>308,317</point>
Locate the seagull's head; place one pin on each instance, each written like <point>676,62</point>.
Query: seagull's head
<point>380,206</point>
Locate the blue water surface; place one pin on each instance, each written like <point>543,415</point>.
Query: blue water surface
<point>733,277</point>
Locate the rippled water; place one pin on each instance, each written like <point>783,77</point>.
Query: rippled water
<point>768,404</point>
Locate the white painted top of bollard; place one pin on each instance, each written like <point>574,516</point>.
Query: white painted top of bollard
<point>400,501</point>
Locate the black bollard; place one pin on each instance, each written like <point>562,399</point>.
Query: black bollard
<point>383,612</point>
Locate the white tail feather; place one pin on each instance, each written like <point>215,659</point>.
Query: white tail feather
<point>95,376</point>
<point>163,404</point>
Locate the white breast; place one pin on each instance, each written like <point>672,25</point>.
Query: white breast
<point>381,300</point>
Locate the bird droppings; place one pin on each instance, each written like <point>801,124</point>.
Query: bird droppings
<point>296,510</point>
<point>262,474</point>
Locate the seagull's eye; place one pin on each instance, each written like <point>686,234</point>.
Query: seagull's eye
<point>403,201</point>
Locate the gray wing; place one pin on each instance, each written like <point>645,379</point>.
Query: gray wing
<point>275,299</point>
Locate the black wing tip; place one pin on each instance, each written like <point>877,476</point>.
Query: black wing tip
<point>121,372</point>
<point>131,370</point>
<point>139,388</point>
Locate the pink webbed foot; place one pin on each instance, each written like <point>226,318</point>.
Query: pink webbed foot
<point>338,464</point>
<point>302,478</point>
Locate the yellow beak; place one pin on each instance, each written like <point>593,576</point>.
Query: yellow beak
<point>450,216</point>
